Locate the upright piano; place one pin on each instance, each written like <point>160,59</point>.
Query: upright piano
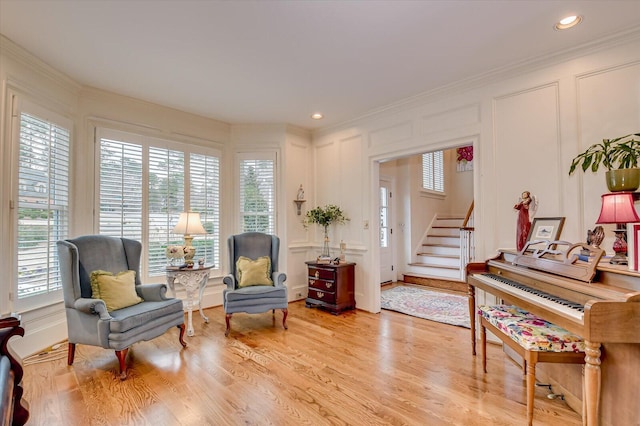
<point>589,297</point>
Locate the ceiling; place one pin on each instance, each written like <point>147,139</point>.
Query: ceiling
<point>280,61</point>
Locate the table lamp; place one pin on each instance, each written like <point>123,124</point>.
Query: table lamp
<point>617,207</point>
<point>189,224</point>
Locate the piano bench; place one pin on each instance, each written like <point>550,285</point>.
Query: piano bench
<point>531,337</point>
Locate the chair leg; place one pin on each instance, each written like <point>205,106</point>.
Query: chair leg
<point>71,353</point>
<point>122,358</point>
<point>531,383</point>
<point>285,312</point>
<point>227,319</point>
<point>483,342</point>
<point>182,329</point>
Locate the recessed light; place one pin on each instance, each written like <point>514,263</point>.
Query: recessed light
<point>568,22</point>
<point>317,116</point>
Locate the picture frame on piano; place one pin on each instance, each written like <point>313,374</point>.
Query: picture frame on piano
<point>545,229</point>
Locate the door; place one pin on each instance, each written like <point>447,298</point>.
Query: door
<point>387,273</point>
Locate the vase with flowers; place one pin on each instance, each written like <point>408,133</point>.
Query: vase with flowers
<point>325,216</point>
<point>175,254</point>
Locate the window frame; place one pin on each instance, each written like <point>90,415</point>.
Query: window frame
<point>257,156</point>
<point>147,142</point>
<point>21,104</point>
<point>432,192</point>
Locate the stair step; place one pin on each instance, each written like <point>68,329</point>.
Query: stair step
<point>444,256</point>
<point>436,282</point>
<point>434,265</point>
<point>443,241</point>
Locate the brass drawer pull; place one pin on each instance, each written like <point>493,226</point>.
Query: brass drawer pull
<point>312,282</point>
<point>317,274</point>
<point>320,294</point>
<point>329,285</point>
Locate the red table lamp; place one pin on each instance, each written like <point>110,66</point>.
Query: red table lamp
<point>617,207</point>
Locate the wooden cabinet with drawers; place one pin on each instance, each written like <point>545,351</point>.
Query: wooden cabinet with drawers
<point>331,286</point>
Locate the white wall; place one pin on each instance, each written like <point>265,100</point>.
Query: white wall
<point>526,125</point>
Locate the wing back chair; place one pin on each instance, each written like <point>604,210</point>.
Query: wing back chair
<point>89,321</point>
<point>250,296</point>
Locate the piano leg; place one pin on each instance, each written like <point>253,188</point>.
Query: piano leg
<point>471,291</point>
<point>592,383</point>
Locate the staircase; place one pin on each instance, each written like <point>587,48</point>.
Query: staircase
<point>438,262</point>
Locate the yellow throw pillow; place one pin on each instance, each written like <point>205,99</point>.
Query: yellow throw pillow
<point>253,272</point>
<point>118,291</point>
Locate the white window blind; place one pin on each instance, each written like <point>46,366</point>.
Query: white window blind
<point>43,204</point>
<point>257,194</point>
<point>120,189</point>
<point>166,202</point>
<point>204,184</point>
<point>144,185</point>
<point>433,171</point>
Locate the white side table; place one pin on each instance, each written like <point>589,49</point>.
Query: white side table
<point>191,279</point>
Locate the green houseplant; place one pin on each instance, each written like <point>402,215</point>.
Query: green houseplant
<point>325,216</point>
<point>619,156</point>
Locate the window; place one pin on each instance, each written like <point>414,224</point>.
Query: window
<point>384,217</point>
<point>257,193</point>
<point>433,171</point>
<point>144,185</point>
<point>42,204</point>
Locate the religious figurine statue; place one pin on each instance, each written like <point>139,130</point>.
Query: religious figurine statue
<point>300,195</point>
<point>526,206</point>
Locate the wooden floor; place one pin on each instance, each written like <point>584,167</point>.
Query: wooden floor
<point>354,369</point>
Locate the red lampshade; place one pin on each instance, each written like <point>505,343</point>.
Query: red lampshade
<point>617,207</point>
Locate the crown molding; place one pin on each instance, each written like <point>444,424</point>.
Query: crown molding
<point>514,69</point>
<point>24,57</point>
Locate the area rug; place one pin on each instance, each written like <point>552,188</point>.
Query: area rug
<point>432,305</point>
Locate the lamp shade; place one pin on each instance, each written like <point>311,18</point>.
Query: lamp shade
<point>617,207</point>
<point>189,224</point>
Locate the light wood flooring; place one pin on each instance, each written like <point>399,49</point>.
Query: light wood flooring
<point>357,368</point>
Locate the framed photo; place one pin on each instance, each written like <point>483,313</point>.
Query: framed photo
<point>545,228</point>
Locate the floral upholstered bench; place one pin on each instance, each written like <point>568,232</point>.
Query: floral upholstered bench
<point>533,338</point>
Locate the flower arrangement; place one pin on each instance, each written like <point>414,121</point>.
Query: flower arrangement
<point>325,216</point>
<point>175,252</point>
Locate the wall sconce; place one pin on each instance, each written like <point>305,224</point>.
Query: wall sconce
<point>299,200</point>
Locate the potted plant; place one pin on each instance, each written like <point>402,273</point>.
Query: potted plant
<point>619,156</point>
<point>325,216</point>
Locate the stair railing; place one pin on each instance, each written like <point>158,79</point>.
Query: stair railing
<point>467,243</point>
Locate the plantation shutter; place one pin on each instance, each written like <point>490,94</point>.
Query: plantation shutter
<point>204,186</point>
<point>166,202</point>
<point>120,189</point>
<point>145,183</point>
<point>433,171</point>
<point>43,203</point>
<point>257,194</point>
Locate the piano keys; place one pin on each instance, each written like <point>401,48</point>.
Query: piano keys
<point>601,305</point>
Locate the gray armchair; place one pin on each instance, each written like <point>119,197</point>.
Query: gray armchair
<point>88,320</point>
<point>254,299</point>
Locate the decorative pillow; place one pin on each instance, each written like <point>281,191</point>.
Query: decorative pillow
<point>118,291</point>
<point>253,272</point>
